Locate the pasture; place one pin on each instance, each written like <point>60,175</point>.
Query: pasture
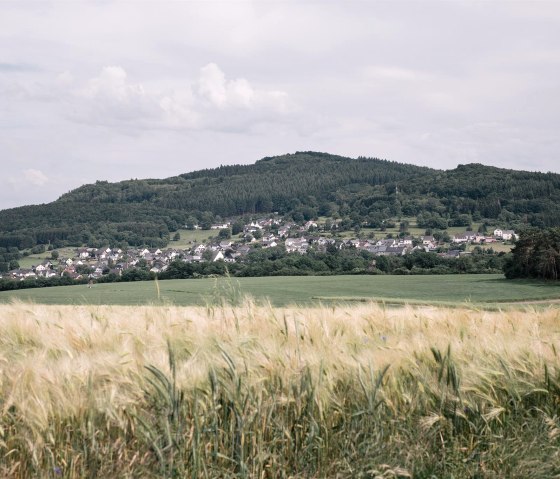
<point>191,237</point>
<point>253,391</point>
<point>484,289</point>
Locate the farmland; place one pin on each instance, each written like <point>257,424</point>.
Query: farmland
<point>302,290</point>
<point>255,391</point>
<point>282,377</point>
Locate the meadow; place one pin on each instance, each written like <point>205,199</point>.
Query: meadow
<point>251,391</point>
<point>483,289</point>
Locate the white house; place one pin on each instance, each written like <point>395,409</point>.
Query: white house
<point>217,256</point>
<point>509,235</point>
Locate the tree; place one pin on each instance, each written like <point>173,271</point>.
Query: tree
<point>536,255</point>
<point>237,228</point>
<point>191,222</point>
<point>55,254</point>
<point>84,269</point>
<point>225,233</point>
<point>177,236</point>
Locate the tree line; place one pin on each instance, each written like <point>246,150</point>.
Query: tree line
<point>536,255</point>
<point>277,262</point>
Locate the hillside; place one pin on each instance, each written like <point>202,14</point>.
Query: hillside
<point>362,191</point>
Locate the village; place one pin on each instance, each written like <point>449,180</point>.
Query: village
<point>93,263</point>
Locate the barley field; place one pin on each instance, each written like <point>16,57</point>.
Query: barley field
<point>257,391</point>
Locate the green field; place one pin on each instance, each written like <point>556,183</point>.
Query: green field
<point>191,237</point>
<point>36,259</point>
<point>303,290</point>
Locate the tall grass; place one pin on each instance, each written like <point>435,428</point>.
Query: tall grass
<point>257,392</point>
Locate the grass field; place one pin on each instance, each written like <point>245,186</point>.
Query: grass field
<point>36,259</point>
<point>306,290</point>
<point>191,237</point>
<point>257,392</point>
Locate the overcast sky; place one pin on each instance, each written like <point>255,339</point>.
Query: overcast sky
<point>112,90</point>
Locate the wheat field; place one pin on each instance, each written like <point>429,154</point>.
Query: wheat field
<point>261,392</point>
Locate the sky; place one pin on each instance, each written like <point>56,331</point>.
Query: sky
<point>114,90</point>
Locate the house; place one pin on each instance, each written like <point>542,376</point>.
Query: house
<point>102,253</point>
<point>309,224</point>
<point>230,256</point>
<point>82,253</point>
<point>243,250</point>
<point>249,238</point>
<point>219,226</point>
<point>464,237</point>
<point>23,273</point>
<point>405,241</point>
<point>158,267</point>
<point>43,267</point>
<point>377,249</point>
<point>226,244</point>
<point>215,247</point>
<point>299,245</point>
<point>508,235</point>
<point>171,254</point>
<point>386,242</point>
<point>322,241</point>
<point>269,243</point>
<point>217,256</point>
<point>285,230</point>
<point>429,242</point>
<point>199,249</point>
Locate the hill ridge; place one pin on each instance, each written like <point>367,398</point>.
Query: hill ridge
<point>360,191</point>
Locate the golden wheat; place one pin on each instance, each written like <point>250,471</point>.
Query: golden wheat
<point>145,379</point>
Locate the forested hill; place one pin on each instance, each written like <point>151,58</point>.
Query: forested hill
<point>362,191</point>
<point>277,184</point>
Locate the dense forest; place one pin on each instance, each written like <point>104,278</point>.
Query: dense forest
<point>536,255</point>
<point>302,186</point>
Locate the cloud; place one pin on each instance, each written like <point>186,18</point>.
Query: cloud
<point>212,85</point>
<point>211,102</point>
<point>407,81</point>
<point>35,177</point>
<point>112,84</point>
<point>391,73</point>
<point>18,68</point>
